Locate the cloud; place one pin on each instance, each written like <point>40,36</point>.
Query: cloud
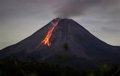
<point>110,30</point>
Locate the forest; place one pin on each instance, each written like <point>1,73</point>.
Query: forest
<point>15,67</point>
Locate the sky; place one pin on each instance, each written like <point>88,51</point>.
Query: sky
<point>21,18</point>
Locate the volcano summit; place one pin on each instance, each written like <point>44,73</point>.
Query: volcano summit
<point>64,42</point>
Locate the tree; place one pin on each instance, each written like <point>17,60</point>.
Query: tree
<point>65,46</point>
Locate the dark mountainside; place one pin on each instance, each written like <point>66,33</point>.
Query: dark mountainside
<point>71,45</point>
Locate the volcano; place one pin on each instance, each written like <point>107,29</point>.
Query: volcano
<point>64,42</point>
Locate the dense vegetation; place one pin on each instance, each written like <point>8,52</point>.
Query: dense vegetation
<point>14,67</point>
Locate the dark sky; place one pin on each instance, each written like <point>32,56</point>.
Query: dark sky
<point>20,18</point>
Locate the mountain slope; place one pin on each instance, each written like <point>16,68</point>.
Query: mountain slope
<point>71,44</point>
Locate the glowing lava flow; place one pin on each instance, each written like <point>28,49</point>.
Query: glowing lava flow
<point>46,40</point>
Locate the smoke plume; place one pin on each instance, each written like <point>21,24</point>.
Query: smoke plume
<point>78,7</point>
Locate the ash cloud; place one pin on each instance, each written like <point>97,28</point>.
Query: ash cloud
<point>79,7</point>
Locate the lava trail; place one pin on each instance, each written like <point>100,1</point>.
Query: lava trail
<point>46,40</point>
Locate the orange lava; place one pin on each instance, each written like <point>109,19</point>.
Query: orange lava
<point>46,40</point>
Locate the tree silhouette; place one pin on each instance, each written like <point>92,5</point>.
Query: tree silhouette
<point>65,46</point>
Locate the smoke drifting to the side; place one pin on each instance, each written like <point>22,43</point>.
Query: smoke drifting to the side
<point>78,7</point>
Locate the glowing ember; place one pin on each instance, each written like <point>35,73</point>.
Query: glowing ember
<point>46,40</point>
